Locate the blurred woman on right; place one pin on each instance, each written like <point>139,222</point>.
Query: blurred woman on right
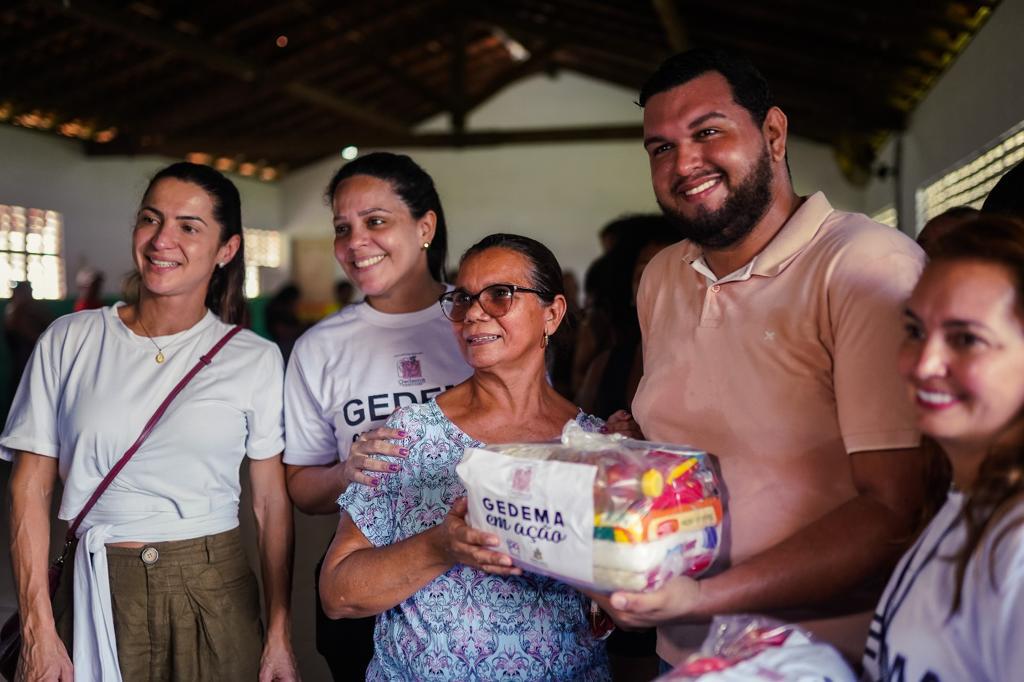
<point>954,607</point>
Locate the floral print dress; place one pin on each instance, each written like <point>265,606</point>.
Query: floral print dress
<point>465,624</point>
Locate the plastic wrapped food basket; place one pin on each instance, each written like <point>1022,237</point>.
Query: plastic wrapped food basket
<point>599,511</point>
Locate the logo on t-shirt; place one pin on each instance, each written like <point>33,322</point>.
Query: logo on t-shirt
<point>410,373</point>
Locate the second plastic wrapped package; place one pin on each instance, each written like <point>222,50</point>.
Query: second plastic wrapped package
<point>744,648</point>
<point>602,512</point>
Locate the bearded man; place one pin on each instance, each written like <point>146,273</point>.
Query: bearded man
<point>769,338</point>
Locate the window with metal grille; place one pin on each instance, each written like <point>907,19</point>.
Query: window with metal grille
<point>263,249</point>
<point>31,240</point>
<point>969,182</point>
<point>886,216</point>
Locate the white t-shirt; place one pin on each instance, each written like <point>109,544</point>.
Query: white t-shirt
<point>983,640</point>
<point>349,372</point>
<point>91,385</point>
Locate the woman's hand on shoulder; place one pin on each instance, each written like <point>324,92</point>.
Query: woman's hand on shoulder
<point>362,465</point>
<point>44,658</point>
<point>465,545</point>
<point>278,662</point>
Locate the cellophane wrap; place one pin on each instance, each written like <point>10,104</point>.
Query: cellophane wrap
<point>743,648</point>
<point>600,511</point>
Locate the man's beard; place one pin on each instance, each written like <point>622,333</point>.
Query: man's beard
<point>738,215</point>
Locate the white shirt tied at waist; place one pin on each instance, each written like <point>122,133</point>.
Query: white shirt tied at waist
<point>95,646</point>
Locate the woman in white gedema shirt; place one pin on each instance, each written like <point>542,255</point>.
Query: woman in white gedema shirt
<point>161,588</point>
<point>349,372</point>
<point>954,607</point>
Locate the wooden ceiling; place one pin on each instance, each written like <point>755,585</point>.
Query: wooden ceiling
<point>260,87</point>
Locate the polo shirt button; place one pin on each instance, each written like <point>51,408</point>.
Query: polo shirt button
<point>149,556</point>
<point>716,288</point>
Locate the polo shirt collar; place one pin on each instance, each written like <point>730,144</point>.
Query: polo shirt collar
<point>796,234</point>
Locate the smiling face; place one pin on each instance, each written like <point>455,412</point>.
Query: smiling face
<point>517,336</point>
<point>176,243</point>
<point>712,166</point>
<point>377,241</point>
<point>963,358</point>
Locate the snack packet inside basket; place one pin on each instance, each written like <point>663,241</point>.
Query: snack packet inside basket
<point>600,511</point>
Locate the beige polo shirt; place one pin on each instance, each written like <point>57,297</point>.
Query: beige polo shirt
<point>782,369</point>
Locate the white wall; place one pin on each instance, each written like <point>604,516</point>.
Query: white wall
<point>560,194</point>
<point>976,101</point>
<point>98,197</point>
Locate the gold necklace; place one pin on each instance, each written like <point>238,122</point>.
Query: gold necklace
<point>159,350</point>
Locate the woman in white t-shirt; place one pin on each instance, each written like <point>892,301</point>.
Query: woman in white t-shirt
<point>348,373</point>
<point>954,608</point>
<point>160,588</point>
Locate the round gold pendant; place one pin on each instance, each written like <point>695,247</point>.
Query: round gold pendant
<point>160,357</point>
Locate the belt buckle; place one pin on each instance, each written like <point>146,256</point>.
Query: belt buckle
<point>149,555</point>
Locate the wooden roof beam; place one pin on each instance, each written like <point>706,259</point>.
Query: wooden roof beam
<point>675,32</point>
<point>459,44</point>
<point>190,49</point>
<point>565,35</point>
<point>281,146</point>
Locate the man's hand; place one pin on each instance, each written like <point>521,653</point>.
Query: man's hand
<point>623,422</point>
<point>634,610</point>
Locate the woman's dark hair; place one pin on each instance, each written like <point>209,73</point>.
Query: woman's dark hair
<point>225,295</point>
<point>614,292</point>
<point>1007,197</point>
<point>749,88</point>
<point>413,186</point>
<point>545,272</point>
<point>998,240</point>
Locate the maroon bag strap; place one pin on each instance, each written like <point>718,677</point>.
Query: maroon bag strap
<point>112,474</point>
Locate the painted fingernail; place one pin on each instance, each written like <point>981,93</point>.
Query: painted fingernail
<point>402,434</point>
<point>374,481</point>
<point>393,468</point>
<point>403,451</point>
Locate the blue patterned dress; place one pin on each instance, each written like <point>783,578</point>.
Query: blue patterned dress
<point>465,624</point>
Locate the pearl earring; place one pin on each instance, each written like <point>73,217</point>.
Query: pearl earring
<point>426,245</point>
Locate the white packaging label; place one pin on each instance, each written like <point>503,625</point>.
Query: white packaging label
<point>542,510</point>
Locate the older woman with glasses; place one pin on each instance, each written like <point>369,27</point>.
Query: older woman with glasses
<point>447,606</point>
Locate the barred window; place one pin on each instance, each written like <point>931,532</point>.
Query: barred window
<point>887,216</point>
<point>969,182</point>
<point>31,240</point>
<point>263,249</point>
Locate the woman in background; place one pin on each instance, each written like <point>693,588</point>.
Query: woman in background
<point>352,370</point>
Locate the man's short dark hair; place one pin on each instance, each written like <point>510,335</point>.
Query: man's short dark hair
<point>749,88</point>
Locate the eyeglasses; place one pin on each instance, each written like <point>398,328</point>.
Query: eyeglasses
<point>496,300</point>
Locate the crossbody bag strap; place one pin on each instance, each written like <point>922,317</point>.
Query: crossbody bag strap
<point>112,474</point>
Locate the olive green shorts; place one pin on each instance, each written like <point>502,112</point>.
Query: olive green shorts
<point>189,610</point>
